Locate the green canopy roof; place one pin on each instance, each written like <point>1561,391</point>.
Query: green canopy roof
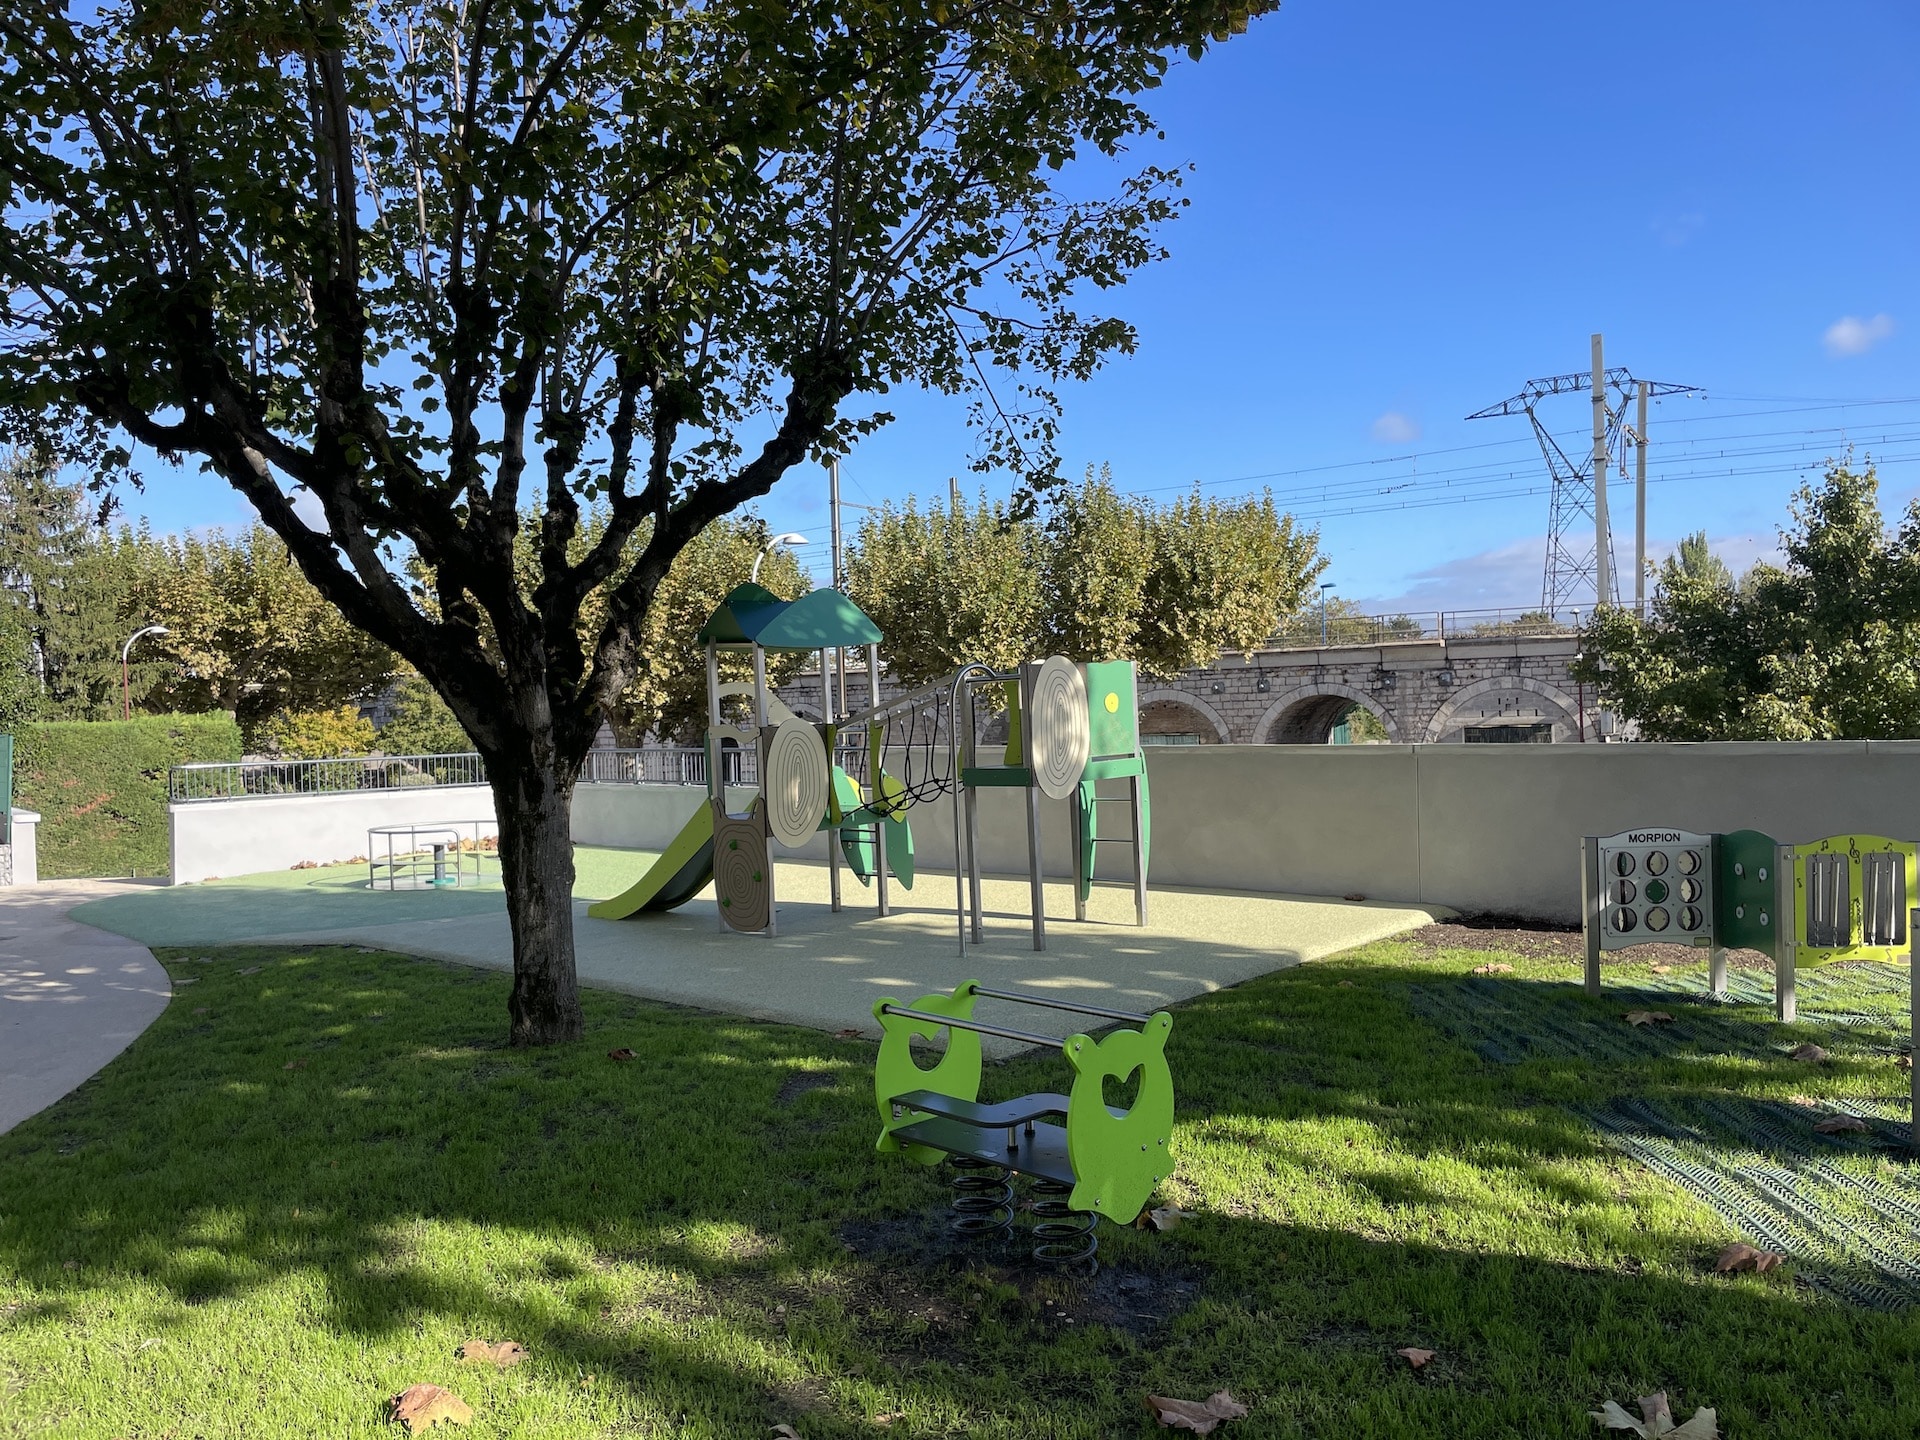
<point>818,620</point>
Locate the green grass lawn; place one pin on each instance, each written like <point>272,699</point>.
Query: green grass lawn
<point>702,1242</point>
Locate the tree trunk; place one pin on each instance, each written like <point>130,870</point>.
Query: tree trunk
<point>534,802</point>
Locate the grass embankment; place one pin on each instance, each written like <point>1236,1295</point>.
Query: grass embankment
<point>701,1242</point>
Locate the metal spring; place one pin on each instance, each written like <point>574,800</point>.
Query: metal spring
<point>982,1197</point>
<point>1063,1237</point>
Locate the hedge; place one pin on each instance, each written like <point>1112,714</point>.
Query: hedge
<point>101,787</point>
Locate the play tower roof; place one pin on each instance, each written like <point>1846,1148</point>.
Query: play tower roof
<point>818,620</point>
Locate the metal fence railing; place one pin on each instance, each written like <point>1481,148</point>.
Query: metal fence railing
<point>1309,632</point>
<point>687,765</point>
<point>263,779</point>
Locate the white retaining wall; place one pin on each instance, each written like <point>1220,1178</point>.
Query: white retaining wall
<point>1476,827</point>
<point>211,838</point>
<point>20,856</point>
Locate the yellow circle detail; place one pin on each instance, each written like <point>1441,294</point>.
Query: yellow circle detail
<point>1113,703</point>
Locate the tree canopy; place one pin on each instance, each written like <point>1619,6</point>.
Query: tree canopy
<point>1826,647</point>
<point>427,268</point>
<point>1096,576</point>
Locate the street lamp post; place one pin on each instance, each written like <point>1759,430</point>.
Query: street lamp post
<point>126,692</point>
<point>774,544</point>
<point>1323,613</point>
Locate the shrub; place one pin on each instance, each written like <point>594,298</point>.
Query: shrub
<point>319,734</point>
<point>422,724</point>
<point>101,787</point>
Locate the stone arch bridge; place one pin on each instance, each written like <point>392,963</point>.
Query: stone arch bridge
<point>1498,688</point>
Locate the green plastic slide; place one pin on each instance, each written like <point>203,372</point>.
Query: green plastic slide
<point>680,873</point>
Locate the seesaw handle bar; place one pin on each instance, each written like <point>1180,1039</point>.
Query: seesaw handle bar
<point>1026,1036</point>
<point>1053,1004</point>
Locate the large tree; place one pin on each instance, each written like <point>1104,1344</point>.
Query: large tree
<point>394,269</point>
<point>1096,576</point>
<point>1825,647</point>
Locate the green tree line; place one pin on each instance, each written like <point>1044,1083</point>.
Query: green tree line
<point>1824,646</point>
<point>1092,575</point>
<point>249,635</point>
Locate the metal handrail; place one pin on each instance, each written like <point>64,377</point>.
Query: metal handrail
<point>977,1025</point>
<point>205,781</point>
<point>1052,1004</point>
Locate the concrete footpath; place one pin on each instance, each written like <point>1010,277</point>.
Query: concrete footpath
<point>71,997</point>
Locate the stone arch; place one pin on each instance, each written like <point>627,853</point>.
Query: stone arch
<point>1443,719</point>
<point>1191,702</point>
<point>1307,713</point>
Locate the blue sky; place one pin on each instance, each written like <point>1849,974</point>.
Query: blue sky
<point>1402,211</point>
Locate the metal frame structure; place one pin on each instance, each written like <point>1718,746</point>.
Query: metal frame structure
<point>1575,570</point>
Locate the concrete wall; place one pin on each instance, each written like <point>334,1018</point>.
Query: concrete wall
<point>244,837</point>
<point>1479,828</point>
<point>1496,828</point>
<point>20,857</point>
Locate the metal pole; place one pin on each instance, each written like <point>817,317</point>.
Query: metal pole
<point>839,580</point>
<point>1602,549</point>
<point>833,833</point>
<point>873,786</point>
<point>1787,927</point>
<point>1640,505</point>
<point>1592,907</point>
<point>1913,1019</point>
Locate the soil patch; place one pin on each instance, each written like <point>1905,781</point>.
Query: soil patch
<point>1135,1300</point>
<point>1546,940</point>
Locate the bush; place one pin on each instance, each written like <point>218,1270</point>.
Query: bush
<point>319,734</point>
<point>422,724</point>
<point>101,787</point>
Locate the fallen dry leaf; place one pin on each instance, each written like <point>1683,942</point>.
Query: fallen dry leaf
<point>1656,1420</point>
<point>1809,1052</point>
<point>1840,1124</point>
<point>1649,1017</point>
<point>1493,967</point>
<point>1415,1356</point>
<point>294,1065</point>
<point>1346,985</point>
<point>1742,1256</point>
<point>846,1034</point>
<point>1202,1417</point>
<point>421,1407</point>
<point>1661,969</point>
<point>785,1432</point>
<point>502,1353</point>
<point>1904,1062</point>
<point>623,1053</point>
<point>1167,1217</point>
<point>1356,899</point>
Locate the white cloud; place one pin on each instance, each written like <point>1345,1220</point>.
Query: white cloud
<point>1850,335</point>
<point>1394,428</point>
<point>1676,230</point>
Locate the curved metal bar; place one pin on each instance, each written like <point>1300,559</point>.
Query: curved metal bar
<point>1051,1004</point>
<point>1002,1031</point>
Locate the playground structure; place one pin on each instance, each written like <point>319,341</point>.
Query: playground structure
<point>1058,747</point>
<point>1841,898</point>
<point>1102,1161</point>
<point>427,855</point>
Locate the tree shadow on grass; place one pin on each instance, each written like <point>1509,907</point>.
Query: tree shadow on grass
<point>672,1227</point>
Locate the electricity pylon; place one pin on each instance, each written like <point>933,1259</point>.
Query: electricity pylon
<point>1577,568</point>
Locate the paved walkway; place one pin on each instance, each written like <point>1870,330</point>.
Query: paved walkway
<point>71,997</point>
<point>823,969</point>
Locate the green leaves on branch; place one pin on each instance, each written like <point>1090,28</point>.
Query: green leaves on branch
<point>1100,576</point>
<point>1826,648</point>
